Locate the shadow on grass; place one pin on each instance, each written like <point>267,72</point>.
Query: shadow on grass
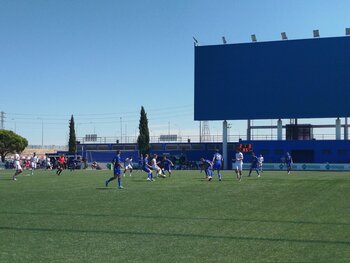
<point>200,236</point>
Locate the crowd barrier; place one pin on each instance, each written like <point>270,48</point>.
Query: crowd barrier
<point>302,166</point>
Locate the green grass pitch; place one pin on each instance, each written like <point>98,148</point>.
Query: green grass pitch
<point>302,217</point>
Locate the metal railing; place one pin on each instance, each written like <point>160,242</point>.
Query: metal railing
<point>192,138</point>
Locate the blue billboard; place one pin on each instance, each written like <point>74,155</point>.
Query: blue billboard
<point>308,78</point>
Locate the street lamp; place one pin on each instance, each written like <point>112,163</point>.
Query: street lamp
<point>316,33</point>
<point>253,37</point>
<point>224,40</point>
<point>284,36</point>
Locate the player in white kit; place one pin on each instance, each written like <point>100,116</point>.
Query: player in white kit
<point>156,167</point>
<point>18,167</point>
<point>238,164</point>
<point>33,163</point>
<point>128,165</point>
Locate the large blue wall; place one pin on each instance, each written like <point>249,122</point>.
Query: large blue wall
<point>310,151</point>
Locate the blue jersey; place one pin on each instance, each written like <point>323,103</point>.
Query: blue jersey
<point>145,166</point>
<point>217,161</point>
<point>217,157</point>
<point>255,162</point>
<point>166,164</point>
<point>117,165</point>
<point>116,161</point>
<point>288,159</point>
<point>145,162</point>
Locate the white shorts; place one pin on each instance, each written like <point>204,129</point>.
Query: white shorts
<point>157,168</point>
<point>128,167</point>
<point>33,164</point>
<point>239,166</point>
<point>18,167</point>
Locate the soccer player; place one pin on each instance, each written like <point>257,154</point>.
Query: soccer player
<point>18,167</point>
<point>60,164</point>
<point>33,163</point>
<point>289,161</point>
<point>217,163</point>
<point>238,164</point>
<point>147,168</point>
<point>167,165</point>
<point>128,165</point>
<point>208,168</point>
<point>156,167</point>
<point>254,165</point>
<point>48,163</point>
<point>117,165</point>
<point>260,163</point>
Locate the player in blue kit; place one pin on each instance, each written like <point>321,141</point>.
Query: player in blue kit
<point>289,161</point>
<point>254,165</point>
<point>147,168</point>
<point>117,171</point>
<point>217,163</point>
<point>167,164</point>
<point>208,168</point>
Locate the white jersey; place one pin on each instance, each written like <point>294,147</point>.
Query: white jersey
<point>261,160</point>
<point>239,161</point>
<point>34,161</point>
<point>128,163</point>
<point>239,157</point>
<point>17,164</point>
<point>154,164</point>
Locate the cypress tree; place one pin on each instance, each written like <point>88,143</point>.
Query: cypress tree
<point>72,143</point>
<point>143,138</point>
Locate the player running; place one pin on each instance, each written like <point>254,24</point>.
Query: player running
<point>33,163</point>
<point>217,163</point>
<point>18,167</point>
<point>147,168</point>
<point>61,164</point>
<point>117,165</point>
<point>167,164</point>
<point>156,167</point>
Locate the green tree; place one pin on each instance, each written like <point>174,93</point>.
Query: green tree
<point>143,138</point>
<point>11,142</point>
<point>72,143</point>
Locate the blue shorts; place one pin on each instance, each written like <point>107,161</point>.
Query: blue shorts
<point>217,165</point>
<point>117,171</point>
<point>208,172</point>
<point>146,169</point>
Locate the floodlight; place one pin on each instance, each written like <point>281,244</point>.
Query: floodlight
<point>224,40</point>
<point>347,31</point>
<point>284,36</point>
<point>253,38</point>
<point>195,41</point>
<point>316,33</point>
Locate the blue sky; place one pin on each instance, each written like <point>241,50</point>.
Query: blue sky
<point>101,60</point>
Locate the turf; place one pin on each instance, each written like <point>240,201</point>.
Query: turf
<point>302,217</point>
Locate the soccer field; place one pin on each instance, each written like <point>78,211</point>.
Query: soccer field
<point>302,217</point>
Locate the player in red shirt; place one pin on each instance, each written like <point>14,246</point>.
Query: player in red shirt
<point>61,163</point>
